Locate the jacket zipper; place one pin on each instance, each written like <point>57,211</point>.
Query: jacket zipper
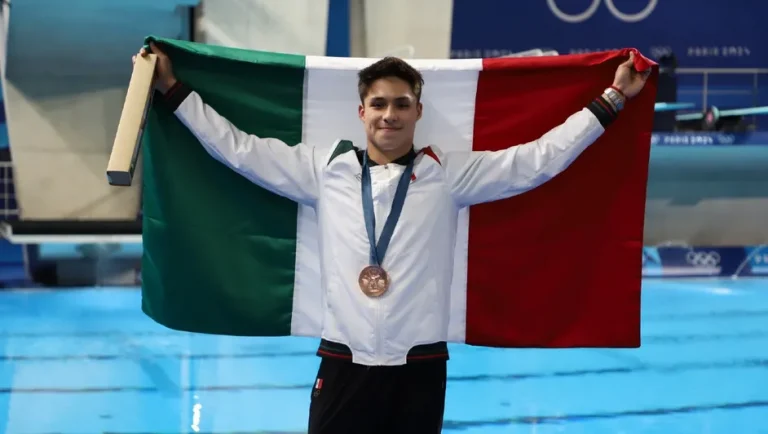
<point>379,325</point>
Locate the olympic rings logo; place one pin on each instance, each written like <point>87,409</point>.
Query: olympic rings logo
<point>703,259</point>
<point>590,11</point>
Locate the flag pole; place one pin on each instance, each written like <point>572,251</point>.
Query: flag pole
<point>127,144</point>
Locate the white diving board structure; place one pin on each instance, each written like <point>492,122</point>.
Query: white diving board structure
<point>33,237</point>
<point>77,256</point>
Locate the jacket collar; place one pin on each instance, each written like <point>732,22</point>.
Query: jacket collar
<point>404,160</point>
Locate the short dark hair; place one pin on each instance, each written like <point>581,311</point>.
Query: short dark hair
<point>389,67</point>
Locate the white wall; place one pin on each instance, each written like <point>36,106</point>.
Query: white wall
<point>424,25</point>
<point>299,26</point>
<point>287,26</point>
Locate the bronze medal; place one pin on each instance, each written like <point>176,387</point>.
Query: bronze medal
<point>373,281</point>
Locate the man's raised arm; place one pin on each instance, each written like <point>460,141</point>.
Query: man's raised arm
<point>268,162</point>
<point>484,176</point>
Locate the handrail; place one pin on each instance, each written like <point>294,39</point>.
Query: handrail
<point>706,72</point>
<point>721,70</point>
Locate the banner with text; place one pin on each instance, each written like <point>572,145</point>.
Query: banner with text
<point>707,34</point>
<point>702,261</point>
<point>694,139</point>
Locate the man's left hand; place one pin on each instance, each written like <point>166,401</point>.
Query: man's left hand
<point>628,80</point>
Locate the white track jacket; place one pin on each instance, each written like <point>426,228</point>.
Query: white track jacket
<point>381,331</point>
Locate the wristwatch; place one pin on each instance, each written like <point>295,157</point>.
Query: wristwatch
<point>615,98</point>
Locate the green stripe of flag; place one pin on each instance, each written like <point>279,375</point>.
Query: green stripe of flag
<point>226,262</point>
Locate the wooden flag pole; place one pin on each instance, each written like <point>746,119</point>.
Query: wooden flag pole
<point>125,151</point>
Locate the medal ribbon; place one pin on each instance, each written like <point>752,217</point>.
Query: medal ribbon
<point>377,252</point>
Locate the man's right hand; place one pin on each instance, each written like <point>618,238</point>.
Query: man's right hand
<point>164,78</point>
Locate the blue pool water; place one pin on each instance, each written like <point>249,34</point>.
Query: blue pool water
<point>88,361</point>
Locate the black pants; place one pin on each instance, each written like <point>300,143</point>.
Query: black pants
<point>349,398</point>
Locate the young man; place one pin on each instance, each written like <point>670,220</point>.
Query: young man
<point>386,240</point>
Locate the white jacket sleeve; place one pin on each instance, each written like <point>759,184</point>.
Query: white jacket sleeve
<point>288,171</point>
<point>485,176</point>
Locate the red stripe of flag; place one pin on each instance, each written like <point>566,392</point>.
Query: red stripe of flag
<point>560,266</point>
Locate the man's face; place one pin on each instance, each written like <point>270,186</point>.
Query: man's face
<point>390,112</point>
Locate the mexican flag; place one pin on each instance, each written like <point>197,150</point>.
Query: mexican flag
<point>559,266</point>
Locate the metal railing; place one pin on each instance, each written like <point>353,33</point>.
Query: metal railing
<point>706,73</point>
